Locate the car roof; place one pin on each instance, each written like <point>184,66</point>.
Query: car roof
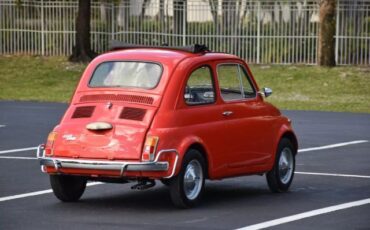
<point>164,55</point>
<point>168,58</point>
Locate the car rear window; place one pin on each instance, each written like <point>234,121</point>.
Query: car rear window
<point>144,75</point>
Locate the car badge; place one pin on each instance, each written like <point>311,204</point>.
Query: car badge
<point>69,137</point>
<point>109,105</point>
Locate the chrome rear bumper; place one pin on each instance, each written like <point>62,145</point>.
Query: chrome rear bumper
<point>121,166</point>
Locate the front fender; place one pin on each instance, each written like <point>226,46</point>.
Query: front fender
<point>285,130</point>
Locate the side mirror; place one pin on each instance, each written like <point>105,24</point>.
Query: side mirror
<point>266,92</point>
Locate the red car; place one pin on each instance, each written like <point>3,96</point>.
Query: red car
<point>179,115</point>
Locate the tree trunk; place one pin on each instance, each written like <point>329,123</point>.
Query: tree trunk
<point>82,50</point>
<point>162,22</point>
<point>105,11</point>
<point>141,18</point>
<point>326,50</point>
<point>161,10</point>
<point>214,11</point>
<point>180,12</point>
<point>225,16</point>
<point>143,7</point>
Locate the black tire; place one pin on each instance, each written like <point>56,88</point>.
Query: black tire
<point>180,198</point>
<point>277,180</point>
<point>68,188</point>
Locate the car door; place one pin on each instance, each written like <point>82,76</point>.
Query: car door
<point>248,135</point>
<point>199,116</point>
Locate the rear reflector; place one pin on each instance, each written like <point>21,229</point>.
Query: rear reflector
<point>83,112</point>
<point>130,113</point>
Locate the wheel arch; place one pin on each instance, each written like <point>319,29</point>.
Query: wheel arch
<point>194,142</point>
<point>293,139</point>
<point>198,146</point>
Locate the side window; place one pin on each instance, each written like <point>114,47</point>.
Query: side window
<point>247,84</point>
<point>199,87</point>
<point>234,82</point>
<point>229,81</point>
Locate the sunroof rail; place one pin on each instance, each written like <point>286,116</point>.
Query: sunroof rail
<point>196,48</point>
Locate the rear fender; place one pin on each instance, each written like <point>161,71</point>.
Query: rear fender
<point>187,144</point>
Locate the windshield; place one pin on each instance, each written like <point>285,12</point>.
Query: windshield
<point>126,74</point>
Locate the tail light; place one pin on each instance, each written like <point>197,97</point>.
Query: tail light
<point>150,147</point>
<point>50,142</point>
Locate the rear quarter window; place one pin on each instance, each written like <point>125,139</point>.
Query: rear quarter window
<point>199,87</point>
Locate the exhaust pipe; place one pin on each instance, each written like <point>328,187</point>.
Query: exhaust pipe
<point>144,184</point>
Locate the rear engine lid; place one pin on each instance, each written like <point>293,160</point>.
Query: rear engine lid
<point>105,126</point>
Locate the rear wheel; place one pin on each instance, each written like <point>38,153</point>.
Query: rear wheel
<point>281,176</point>
<point>187,187</point>
<point>68,188</point>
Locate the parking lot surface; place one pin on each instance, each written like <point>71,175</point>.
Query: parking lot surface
<point>331,188</point>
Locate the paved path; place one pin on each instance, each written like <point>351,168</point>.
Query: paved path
<point>331,189</point>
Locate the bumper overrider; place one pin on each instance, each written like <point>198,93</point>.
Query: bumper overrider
<point>120,166</point>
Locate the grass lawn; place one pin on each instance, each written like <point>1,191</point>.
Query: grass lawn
<point>343,88</point>
<point>294,87</point>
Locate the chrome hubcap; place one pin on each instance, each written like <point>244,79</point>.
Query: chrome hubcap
<point>193,179</point>
<point>286,165</point>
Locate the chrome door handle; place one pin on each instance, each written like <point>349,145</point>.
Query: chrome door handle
<point>227,113</point>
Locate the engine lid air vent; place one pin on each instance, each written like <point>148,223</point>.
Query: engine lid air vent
<point>83,112</point>
<point>130,113</point>
<point>117,97</point>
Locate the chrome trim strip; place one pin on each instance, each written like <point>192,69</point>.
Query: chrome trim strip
<point>174,164</point>
<point>40,151</point>
<point>121,166</point>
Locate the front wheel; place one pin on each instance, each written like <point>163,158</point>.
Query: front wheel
<point>68,188</point>
<point>281,175</point>
<point>187,187</point>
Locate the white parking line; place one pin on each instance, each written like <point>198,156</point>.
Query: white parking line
<point>332,146</point>
<point>333,174</point>
<point>18,158</point>
<point>6,198</point>
<point>17,150</point>
<point>2,126</point>
<point>90,184</point>
<point>303,173</point>
<point>299,150</point>
<point>303,215</point>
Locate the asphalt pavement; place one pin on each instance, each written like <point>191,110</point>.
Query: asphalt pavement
<point>331,189</point>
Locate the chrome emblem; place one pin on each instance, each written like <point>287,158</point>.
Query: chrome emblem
<point>109,105</point>
<point>69,137</point>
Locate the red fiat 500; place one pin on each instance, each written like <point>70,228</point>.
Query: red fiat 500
<point>178,115</point>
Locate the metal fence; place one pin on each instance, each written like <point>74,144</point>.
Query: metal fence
<point>259,31</point>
